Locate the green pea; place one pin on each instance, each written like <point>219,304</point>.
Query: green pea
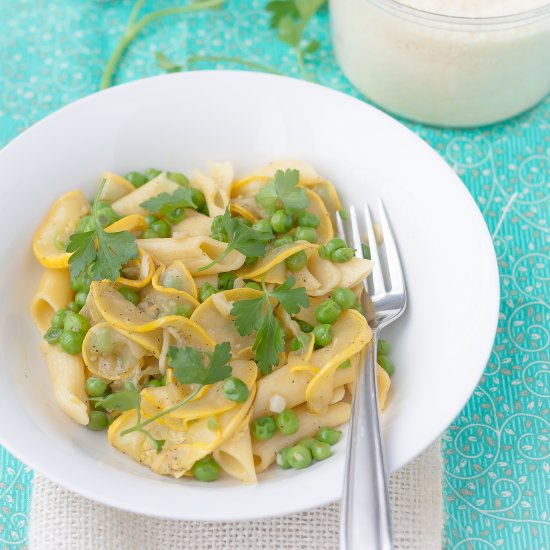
<point>226,281</point>
<point>163,380</point>
<point>58,318</point>
<point>185,311</point>
<point>130,295</point>
<point>206,469</point>
<point>81,282</point>
<point>328,435</point>
<point>263,226</point>
<point>217,225</point>
<point>366,251</point>
<point>74,307</point>
<point>179,178</point>
<point>175,216</point>
<point>161,228</point>
<point>287,422</point>
<point>281,241</point>
<point>327,312</point>
<point>86,223</point>
<point>295,344</point>
<point>308,219</point>
<point>235,389</point>
<point>344,297</point>
<point>304,326</point>
<point>321,451</point>
<point>154,383</point>
<point>322,252</point>
<point>296,261</point>
<point>149,234</point>
<point>106,216</point>
<point>334,244</point>
<point>205,291</point>
<point>52,335</point>
<point>282,458</point>
<point>129,386</point>
<point>80,298</point>
<point>151,218</point>
<point>323,335</point>
<point>198,198</point>
<point>307,442</point>
<point>342,255</point>
<point>97,421</point>
<point>299,457</point>
<point>345,365</point>
<point>151,173</point>
<point>76,323</point>
<point>252,284</point>
<point>263,427</point>
<point>71,342</point>
<point>281,221</point>
<point>96,387</point>
<point>384,347</point>
<point>306,234</point>
<point>136,179</point>
<point>386,363</point>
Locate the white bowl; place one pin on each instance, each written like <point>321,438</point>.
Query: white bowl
<point>181,121</point>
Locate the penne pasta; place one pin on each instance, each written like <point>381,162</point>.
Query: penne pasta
<point>207,324</point>
<point>54,292</point>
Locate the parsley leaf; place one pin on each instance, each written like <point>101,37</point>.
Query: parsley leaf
<point>257,315</point>
<point>283,192</point>
<point>269,341</point>
<point>241,237</point>
<point>292,299</point>
<point>113,249</point>
<point>164,203</point>
<point>189,367</point>
<point>82,245</point>
<point>290,18</point>
<point>248,314</point>
<point>121,401</point>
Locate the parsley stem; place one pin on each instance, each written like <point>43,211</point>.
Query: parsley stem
<point>224,59</point>
<point>135,27</point>
<point>301,63</point>
<point>140,425</point>
<point>218,259</point>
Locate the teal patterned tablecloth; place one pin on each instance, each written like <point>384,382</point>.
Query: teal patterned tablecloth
<point>496,479</point>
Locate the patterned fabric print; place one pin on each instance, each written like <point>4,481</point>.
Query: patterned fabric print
<point>52,52</point>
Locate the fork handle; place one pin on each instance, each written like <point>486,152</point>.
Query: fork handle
<point>365,521</point>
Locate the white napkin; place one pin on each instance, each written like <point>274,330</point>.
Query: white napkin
<point>61,520</point>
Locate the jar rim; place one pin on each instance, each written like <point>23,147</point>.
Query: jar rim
<point>522,17</point>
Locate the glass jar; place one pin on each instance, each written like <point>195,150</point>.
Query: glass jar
<point>441,69</point>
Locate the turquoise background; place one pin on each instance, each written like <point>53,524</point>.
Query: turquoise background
<point>496,451</point>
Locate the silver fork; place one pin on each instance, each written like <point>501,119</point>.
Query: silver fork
<point>365,517</point>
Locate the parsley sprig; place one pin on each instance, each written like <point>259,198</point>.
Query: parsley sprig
<point>103,253</point>
<point>164,203</point>
<point>283,192</point>
<point>135,26</point>
<point>256,314</point>
<point>290,18</point>
<point>189,368</point>
<point>241,237</point>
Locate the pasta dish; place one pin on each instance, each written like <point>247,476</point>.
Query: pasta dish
<point>209,324</point>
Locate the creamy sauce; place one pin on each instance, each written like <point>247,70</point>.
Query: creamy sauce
<point>444,73</point>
